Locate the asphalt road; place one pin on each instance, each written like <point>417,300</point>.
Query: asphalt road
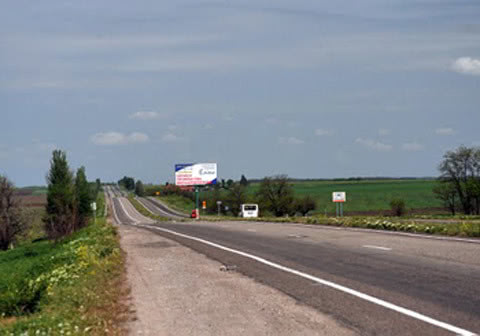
<point>439,279</point>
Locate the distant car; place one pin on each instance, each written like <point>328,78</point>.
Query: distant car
<point>249,211</point>
<point>193,214</point>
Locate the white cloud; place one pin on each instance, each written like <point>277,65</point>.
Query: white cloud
<point>172,137</point>
<point>413,147</point>
<point>467,65</point>
<point>375,145</point>
<point>116,138</point>
<point>290,141</point>
<point>324,132</point>
<point>384,131</point>
<point>145,115</point>
<point>445,131</point>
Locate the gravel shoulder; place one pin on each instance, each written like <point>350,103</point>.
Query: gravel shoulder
<point>176,291</point>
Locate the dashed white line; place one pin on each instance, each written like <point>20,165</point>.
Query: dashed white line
<point>377,247</point>
<point>366,297</point>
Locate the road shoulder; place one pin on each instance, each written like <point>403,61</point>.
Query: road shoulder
<point>177,291</point>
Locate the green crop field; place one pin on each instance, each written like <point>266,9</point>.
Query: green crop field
<point>366,195</point>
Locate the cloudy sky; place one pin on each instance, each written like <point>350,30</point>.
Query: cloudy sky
<point>307,88</point>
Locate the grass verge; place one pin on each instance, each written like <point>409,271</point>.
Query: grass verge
<point>72,287</point>
<point>463,229</point>
<point>178,203</point>
<point>144,211</point>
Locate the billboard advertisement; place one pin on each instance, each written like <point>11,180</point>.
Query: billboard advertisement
<point>192,174</point>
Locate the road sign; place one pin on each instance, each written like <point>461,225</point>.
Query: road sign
<point>339,196</point>
<point>204,205</point>
<point>93,206</point>
<point>219,202</point>
<point>195,174</point>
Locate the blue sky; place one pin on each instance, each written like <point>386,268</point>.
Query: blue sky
<point>304,88</point>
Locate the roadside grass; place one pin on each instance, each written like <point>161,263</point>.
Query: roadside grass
<point>178,203</point>
<point>144,211</point>
<point>72,287</point>
<point>462,229</point>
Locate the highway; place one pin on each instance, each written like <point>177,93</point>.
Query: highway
<point>373,283</point>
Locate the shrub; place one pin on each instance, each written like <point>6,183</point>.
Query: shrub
<point>12,223</point>
<point>305,204</point>
<point>398,207</point>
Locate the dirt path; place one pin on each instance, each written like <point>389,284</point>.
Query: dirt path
<point>176,291</point>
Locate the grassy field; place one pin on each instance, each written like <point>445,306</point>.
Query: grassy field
<point>71,287</point>
<point>366,196</point>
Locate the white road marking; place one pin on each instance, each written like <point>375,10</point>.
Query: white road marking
<point>135,222</point>
<point>377,247</point>
<point>366,297</point>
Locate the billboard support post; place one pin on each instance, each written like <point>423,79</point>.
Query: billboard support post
<point>197,200</point>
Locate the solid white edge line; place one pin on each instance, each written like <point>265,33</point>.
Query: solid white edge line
<point>366,297</point>
<point>135,222</point>
<point>377,247</point>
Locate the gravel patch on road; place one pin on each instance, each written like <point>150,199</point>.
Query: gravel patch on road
<point>176,291</point>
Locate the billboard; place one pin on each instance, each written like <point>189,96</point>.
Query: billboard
<point>191,174</point>
<point>339,196</point>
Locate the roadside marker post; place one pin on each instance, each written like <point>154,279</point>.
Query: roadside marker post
<point>197,201</point>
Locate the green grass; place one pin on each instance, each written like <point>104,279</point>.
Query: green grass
<point>178,203</point>
<point>71,286</point>
<point>366,195</point>
<point>140,208</point>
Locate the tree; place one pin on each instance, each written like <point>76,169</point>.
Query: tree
<point>83,197</point>
<point>236,196</point>
<point>305,204</point>
<point>243,181</point>
<point>276,195</point>
<point>229,183</point>
<point>61,209</point>
<point>98,184</point>
<point>398,207</point>
<point>461,168</point>
<point>11,221</point>
<point>127,182</point>
<point>446,192</point>
<point>139,189</point>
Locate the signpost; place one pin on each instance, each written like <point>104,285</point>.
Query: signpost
<point>339,197</point>
<point>93,206</point>
<point>196,175</point>
<point>219,204</point>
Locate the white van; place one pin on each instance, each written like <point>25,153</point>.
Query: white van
<point>249,211</point>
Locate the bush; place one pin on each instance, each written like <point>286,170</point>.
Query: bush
<point>398,207</point>
<point>305,204</point>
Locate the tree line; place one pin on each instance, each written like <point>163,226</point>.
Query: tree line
<point>68,207</point>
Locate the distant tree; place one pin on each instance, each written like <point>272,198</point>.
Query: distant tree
<point>398,207</point>
<point>127,182</point>
<point>139,189</point>
<point>83,197</point>
<point>243,181</point>
<point>229,183</point>
<point>276,195</point>
<point>98,184</point>
<point>236,196</point>
<point>11,221</point>
<point>446,192</point>
<point>461,168</point>
<point>224,185</point>
<point>61,209</point>
<point>305,204</point>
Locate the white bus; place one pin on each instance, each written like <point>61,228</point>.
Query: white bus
<point>249,211</point>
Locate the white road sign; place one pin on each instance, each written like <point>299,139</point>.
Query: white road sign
<point>339,196</point>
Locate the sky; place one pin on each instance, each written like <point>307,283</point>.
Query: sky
<point>312,89</point>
